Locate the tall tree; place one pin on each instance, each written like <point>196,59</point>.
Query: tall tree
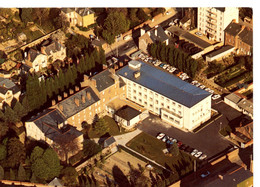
<point>10,115</point>
<point>16,152</point>
<point>101,126</point>
<point>69,176</point>
<point>115,24</point>
<point>21,173</point>
<point>26,14</point>
<point>3,152</point>
<point>19,110</point>
<point>3,129</point>
<point>90,148</point>
<point>36,153</point>
<point>12,175</point>
<point>2,173</point>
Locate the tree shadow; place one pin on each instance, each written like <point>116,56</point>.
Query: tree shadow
<point>152,178</point>
<point>119,177</point>
<point>167,172</point>
<point>103,138</point>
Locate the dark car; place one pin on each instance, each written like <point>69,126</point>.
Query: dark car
<point>189,149</point>
<point>183,147</point>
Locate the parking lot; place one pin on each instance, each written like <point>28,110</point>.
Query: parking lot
<point>208,140</point>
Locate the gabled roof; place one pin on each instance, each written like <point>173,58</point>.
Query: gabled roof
<point>80,11</point>
<point>55,182</point>
<point>222,9</point>
<point>233,28</point>
<point>161,35</point>
<point>103,80</point>
<point>70,108</point>
<point>196,40</point>
<point>51,46</point>
<point>33,54</point>
<point>220,50</point>
<point>247,36</point>
<point>184,19</point>
<point>165,84</point>
<point>234,98</point>
<point>109,141</point>
<point>6,84</point>
<point>48,122</point>
<point>127,113</point>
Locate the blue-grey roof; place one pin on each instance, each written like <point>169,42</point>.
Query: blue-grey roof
<point>48,122</point>
<point>109,141</point>
<point>161,35</point>
<point>103,80</point>
<point>165,84</point>
<point>69,106</point>
<point>7,84</point>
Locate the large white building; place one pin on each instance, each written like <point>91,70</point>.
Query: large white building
<point>179,103</point>
<point>213,21</point>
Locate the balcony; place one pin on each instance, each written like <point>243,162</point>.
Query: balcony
<point>212,16</point>
<point>211,32</point>
<point>212,12</point>
<point>211,27</point>
<point>211,21</point>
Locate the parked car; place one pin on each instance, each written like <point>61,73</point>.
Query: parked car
<point>203,175</point>
<point>194,152</point>
<point>115,60</point>
<point>161,65</point>
<point>202,86</point>
<point>198,84</point>
<point>165,138</point>
<point>169,141</point>
<point>174,140</point>
<point>198,33</point>
<point>127,37</point>
<point>198,154</point>
<point>160,135</point>
<point>214,97</point>
<point>194,82</point>
<point>202,157</point>
<point>188,149</point>
<point>179,143</point>
<point>183,147</point>
<point>171,23</point>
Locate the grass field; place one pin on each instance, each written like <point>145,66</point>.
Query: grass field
<point>152,148</point>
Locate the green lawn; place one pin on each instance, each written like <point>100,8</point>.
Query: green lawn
<point>152,148</point>
<point>113,129</point>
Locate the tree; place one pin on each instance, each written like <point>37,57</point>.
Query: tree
<point>10,115</point>
<point>101,126</point>
<point>174,149</point>
<point>137,178</point>
<point>142,15</point>
<point>19,110</point>
<point>45,166</point>
<point>2,173</point>
<point>3,152</point>
<point>12,175</point>
<point>3,129</point>
<point>18,55</point>
<point>33,178</point>
<point>16,152</point>
<point>69,176</point>
<point>41,14</point>
<point>21,173</point>
<point>36,153</point>
<point>90,148</point>
<point>115,24</point>
<point>26,14</point>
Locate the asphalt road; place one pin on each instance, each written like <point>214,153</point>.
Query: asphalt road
<point>208,140</point>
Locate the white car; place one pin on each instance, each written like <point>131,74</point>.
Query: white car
<point>115,60</point>
<point>168,69</point>
<point>202,157</point>
<point>198,33</point>
<point>160,136</point>
<point>211,91</point>
<point>214,97</point>
<point>198,84</point>
<point>127,37</point>
<point>171,23</point>
<point>165,66</point>
<point>194,82</point>
<point>165,138</point>
<point>146,59</point>
<point>198,154</point>
<point>207,89</point>
<point>194,152</point>
<point>202,86</point>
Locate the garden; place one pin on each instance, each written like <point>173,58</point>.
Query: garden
<point>181,164</point>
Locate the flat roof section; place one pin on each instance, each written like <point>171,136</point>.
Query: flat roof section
<point>127,113</point>
<point>165,84</point>
<point>196,40</point>
<point>221,50</point>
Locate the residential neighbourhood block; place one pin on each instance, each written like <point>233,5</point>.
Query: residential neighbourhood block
<point>170,89</point>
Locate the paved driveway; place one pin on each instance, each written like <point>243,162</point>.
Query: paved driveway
<point>208,140</point>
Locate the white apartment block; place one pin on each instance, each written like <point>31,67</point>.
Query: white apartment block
<point>213,21</point>
<point>179,103</point>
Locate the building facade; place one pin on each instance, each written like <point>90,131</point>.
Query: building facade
<point>213,21</point>
<point>177,102</point>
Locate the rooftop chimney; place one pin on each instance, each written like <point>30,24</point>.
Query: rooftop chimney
<point>137,74</point>
<point>155,32</point>
<point>76,88</point>
<point>71,91</point>
<point>65,94</point>
<point>76,100</point>
<point>53,102</point>
<point>83,98</point>
<point>59,98</point>
<point>88,95</point>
